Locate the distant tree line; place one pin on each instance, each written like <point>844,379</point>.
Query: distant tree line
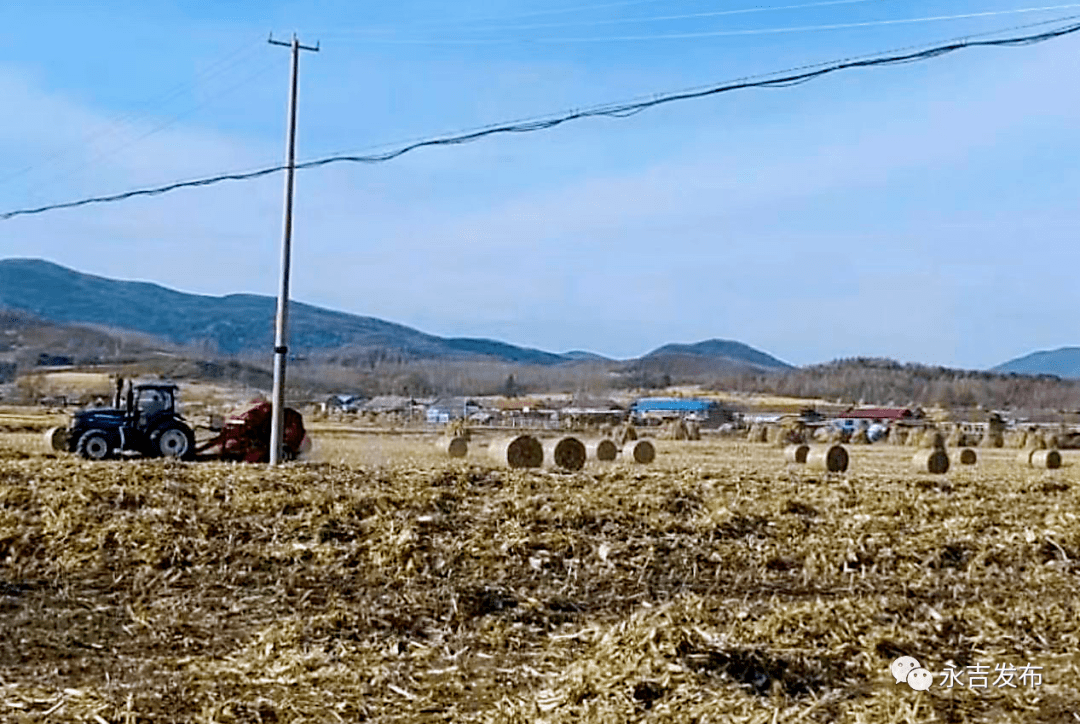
<point>887,382</point>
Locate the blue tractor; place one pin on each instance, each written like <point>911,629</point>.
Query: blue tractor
<point>148,424</point>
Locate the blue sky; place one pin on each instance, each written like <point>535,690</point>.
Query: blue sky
<point>925,212</point>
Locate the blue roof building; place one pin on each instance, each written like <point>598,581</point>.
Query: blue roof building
<point>705,411</point>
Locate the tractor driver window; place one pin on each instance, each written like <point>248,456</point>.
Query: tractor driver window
<point>151,401</point>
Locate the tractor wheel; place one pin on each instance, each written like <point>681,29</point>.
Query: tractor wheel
<point>94,445</point>
<point>173,441</point>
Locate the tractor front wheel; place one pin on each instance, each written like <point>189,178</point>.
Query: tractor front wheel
<point>94,445</point>
<point>174,441</point>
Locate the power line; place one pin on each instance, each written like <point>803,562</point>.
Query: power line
<point>717,33</point>
<point>785,71</point>
<point>623,21</point>
<point>610,110</point>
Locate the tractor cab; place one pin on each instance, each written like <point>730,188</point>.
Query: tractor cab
<point>149,404</point>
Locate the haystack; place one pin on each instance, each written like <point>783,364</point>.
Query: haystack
<point>639,451</point>
<point>675,430</point>
<point>519,451</point>
<point>830,458</point>
<point>604,450</point>
<point>693,431</point>
<point>1046,459</point>
<point>455,447</point>
<point>1036,440</point>
<point>754,434</point>
<point>933,439</point>
<point>56,438</point>
<point>968,456</point>
<point>773,435</point>
<point>796,453</point>
<point>566,453</point>
<point>955,437</point>
<point>935,461</point>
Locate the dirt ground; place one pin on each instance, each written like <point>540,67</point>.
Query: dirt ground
<point>381,582</point>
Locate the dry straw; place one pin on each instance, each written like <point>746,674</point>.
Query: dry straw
<point>968,456</point>
<point>639,451</point>
<point>604,450</point>
<point>796,453</point>
<point>455,447</point>
<point>830,458</point>
<point>520,451</point>
<point>567,453</point>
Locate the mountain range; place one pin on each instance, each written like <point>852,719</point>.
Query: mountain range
<point>84,309</point>
<point>243,324</point>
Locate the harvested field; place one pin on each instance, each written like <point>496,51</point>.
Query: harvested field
<point>715,585</point>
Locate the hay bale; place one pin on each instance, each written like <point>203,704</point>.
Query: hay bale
<point>604,450</point>
<point>517,451</point>
<point>933,439</point>
<point>898,435</point>
<point>693,431</point>
<point>566,453</point>
<point>456,446</point>
<point>830,458</point>
<point>859,437</point>
<point>626,433</point>
<point>934,461</point>
<point>796,453</point>
<point>675,430</point>
<point>754,433</point>
<point>1046,459</point>
<point>639,451</point>
<point>992,438</point>
<point>56,438</point>
<point>955,437</point>
<point>915,437</point>
<point>1036,440</point>
<point>968,457</point>
<point>1024,457</point>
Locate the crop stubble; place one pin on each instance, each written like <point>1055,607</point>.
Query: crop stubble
<point>715,585</point>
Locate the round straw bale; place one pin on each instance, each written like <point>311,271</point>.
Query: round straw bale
<point>626,433</point>
<point>968,457</point>
<point>915,436</point>
<point>518,451</point>
<point>605,450</point>
<point>897,435</point>
<point>992,438</point>
<point>56,438</point>
<point>567,453</point>
<point>1048,459</point>
<point>1024,456</point>
<point>455,447</point>
<point>639,451</point>
<point>859,437</point>
<point>796,453</point>
<point>934,440</point>
<point>955,437</point>
<point>934,461</point>
<point>753,433</point>
<point>693,431</point>
<point>830,458</point>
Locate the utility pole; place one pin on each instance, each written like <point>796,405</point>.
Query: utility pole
<point>281,326</point>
